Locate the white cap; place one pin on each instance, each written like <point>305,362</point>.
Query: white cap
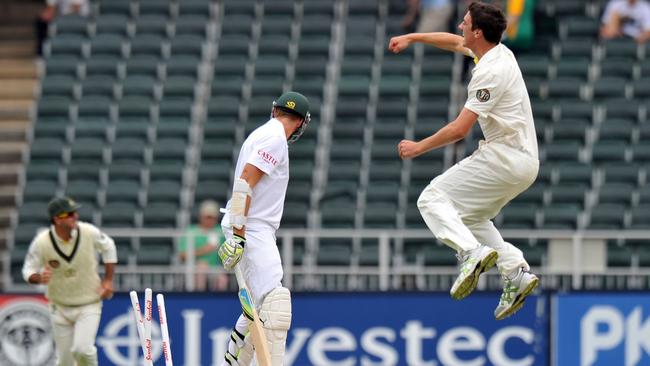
<point>209,208</point>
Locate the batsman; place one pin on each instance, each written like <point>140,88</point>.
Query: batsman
<point>252,216</point>
<point>459,205</point>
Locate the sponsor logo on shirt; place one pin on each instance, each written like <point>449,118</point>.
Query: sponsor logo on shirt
<point>483,95</point>
<point>267,157</point>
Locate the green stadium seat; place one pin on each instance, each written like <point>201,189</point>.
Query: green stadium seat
<point>62,65</point>
<point>112,23</point>
<point>157,7</point>
<point>216,190</point>
<point>146,65</point>
<point>107,45</point>
<point>58,85</point>
<point>82,190</point>
<point>194,24</point>
<point>519,216</point>
<point>621,48</point>
<point>46,150</point>
<point>65,44</point>
<point>383,192</point>
<point>573,172</point>
<point>566,87</point>
<point>382,171</point>
<point>608,216</point>
<point>618,255</point>
<point>617,67</point>
<point>609,87</point>
<point>155,254</point>
<point>573,193</point>
<point>147,44</point>
<point>42,171</point>
<point>116,7</point>
<point>573,67</point>
<point>315,24</point>
<point>570,130</point>
<point>102,65</point>
<point>616,193</point>
<point>33,214</point>
<point>185,65</point>
<point>167,171</point>
<point>187,44</point>
<point>621,109</point>
<point>334,252</point>
<point>338,213</point>
<point>294,215</point>
<point>234,44</point>
<point>314,45</point>
<point>562,151</point>
<point>83,171</point>
<point>39,191</point>
<point>228,85</point>
<point>579,26</point>
<point>194,7</point>
<point>118,214</point>
<point>71,24</point>
<point>380,215</point>
<point>609,151</point>
<point>561,216</point>
<point>128,149</point>
<point>300,192</point>
<point>268,65</point>
<point>87,149</point>
<point>218,149</point>
<point>129,170</point>
<point>169,149</point>
<point>620,173</point>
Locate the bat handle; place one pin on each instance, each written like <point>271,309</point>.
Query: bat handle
<point>239,275</point>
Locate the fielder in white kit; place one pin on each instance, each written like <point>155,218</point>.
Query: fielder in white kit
<point>253,216</point>
<point>65,259</point>
<point>458,205</point>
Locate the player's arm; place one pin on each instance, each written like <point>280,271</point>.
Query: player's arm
<point>450,133</point>
<point>251,175</point>
<point>443,40</point>
<point>33,271</point>
<point>106,246</point>
<point>232,249</point>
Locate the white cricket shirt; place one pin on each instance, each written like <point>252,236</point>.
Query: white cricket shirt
<point>498,94</point>
<point>74,263</point>
<point>267,149</point>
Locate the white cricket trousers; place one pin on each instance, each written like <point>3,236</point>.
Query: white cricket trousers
<point>261,264</point>
<point>459,204</point>
<point>75,330</point>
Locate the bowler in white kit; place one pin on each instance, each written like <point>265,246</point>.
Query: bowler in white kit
<point>458,206</point>
<point>251,219</point>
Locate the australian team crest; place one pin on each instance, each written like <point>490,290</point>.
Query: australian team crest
<point>483,95</point>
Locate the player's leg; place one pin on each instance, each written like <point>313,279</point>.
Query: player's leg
<point>442,216</point>
<point>85,332</point>
<point>518,281</point>
<point>240,348</point>
<point>275,314</point>
<point>62,330</point>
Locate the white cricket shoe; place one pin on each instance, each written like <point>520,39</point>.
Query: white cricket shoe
<point>473,263</point>
<point>514,293</point>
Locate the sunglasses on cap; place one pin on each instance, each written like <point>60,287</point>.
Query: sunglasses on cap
<point>65,215</point>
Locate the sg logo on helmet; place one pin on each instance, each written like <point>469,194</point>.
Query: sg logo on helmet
<point>291,104</point>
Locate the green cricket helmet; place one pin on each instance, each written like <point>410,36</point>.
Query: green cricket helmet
<point>297,104</point>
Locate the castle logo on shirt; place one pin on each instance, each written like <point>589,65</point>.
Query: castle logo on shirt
<point>483,95</point>
<point>267,157</point>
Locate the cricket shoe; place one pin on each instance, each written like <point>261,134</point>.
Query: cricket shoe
<point>514,293</point>
<point>472,264</point>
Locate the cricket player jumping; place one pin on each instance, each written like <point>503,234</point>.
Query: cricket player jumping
<point>458,205</point>
<point>253,216</point>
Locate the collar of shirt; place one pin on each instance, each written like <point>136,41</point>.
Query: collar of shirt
<point>491,54</point>
<point>73,235</point>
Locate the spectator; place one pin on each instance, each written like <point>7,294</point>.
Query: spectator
<point>433,15</point>
<point>626,18</point>
<point>206,236</point>
<point>520,32</point>
<point>54,8</point>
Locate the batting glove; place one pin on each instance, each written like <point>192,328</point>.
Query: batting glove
<point>231,251</point>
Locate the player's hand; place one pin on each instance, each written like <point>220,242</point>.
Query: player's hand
<point>106,290</point>
<point>231,251</point>
<point>408,149</point>
<point>46,275</point>
<point>399,43</point>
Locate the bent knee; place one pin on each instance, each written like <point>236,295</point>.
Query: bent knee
<point>83,352</point>
<point>431,195</point>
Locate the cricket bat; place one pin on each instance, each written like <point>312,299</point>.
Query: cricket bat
<point>255,325</point>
